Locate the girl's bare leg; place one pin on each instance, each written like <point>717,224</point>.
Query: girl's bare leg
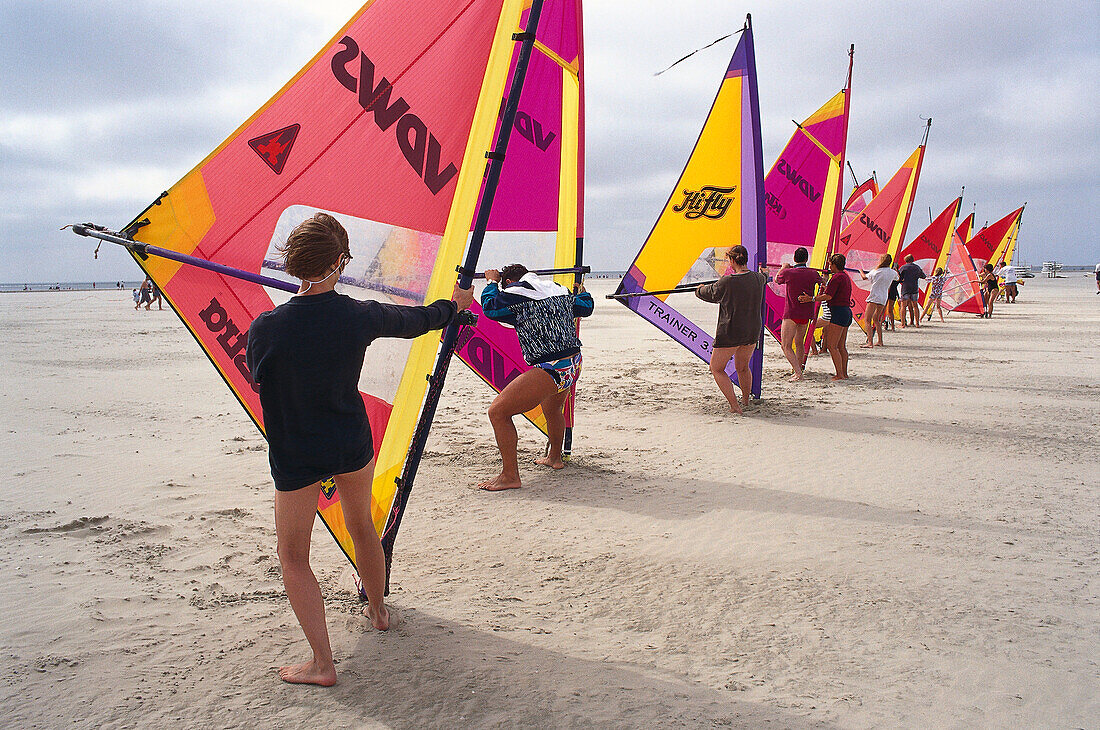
<point>521,395</point>
<point>553,409</point>
<point>355,496</point>
<point>834,335</point>
<point>788,335</point>
<point>294,513</point>
<point>741,357</point>
<point>718,361</point>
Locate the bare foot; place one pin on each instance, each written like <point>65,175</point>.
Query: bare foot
<point>380,618</point>
<point>552,463</point>
<point>309,673</point>
<point>837,377</point>
<point>867,346</point>
<point>499,483</point>
<point>796,377</point>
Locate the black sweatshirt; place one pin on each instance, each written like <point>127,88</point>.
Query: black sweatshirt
<point>306,357</point>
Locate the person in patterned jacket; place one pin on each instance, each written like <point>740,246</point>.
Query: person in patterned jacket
<point>543,314</point>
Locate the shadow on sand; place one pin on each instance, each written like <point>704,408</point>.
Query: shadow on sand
<point>430,672</point>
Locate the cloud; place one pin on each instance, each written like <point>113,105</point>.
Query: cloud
<point>106,104</point>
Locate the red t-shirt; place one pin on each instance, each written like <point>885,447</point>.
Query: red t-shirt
<point>839,290</point>
<point>798,280</point>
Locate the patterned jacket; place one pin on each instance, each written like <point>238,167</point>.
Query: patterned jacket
<point>542,313</point>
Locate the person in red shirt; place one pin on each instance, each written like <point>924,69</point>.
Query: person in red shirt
<point>799,280</point>
<point>838,293</point>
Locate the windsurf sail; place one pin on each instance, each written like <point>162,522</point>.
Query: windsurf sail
<point>539,217</point>
<point>862,194</point>
<point>717,203</point>
<point>802,194</point>
<point>989,245</point>
<point>387,128</point>
<point>879,228</point>
<point>1009,245</point>
<point>962,290</point>
<point>932,246</point>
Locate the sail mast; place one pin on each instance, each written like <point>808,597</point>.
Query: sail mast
<point>834,237</point>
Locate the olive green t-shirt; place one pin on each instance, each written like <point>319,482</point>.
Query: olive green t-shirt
<point>740,299</point>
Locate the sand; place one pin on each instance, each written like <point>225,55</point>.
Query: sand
<point>916,547</point>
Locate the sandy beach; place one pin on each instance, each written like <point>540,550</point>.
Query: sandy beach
<point>917,547</point>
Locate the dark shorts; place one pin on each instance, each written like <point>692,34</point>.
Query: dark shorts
<point>840,316</point>
<point>1011,290</point>
<point>906,297</point>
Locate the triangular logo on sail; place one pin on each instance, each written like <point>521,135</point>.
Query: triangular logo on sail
<point>274,147</point>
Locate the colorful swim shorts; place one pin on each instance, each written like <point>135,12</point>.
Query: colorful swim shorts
<point>564,372</point>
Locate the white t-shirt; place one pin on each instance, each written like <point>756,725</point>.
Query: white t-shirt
<point>881,279</point>
<point>1009,274</point>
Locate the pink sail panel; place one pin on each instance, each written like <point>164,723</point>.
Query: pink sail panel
<point>544,162</point>
<point>868,237</point>
<point>927,248</point>
<point>962,289</point>
<point>527,196</point>
<point>989,240</point>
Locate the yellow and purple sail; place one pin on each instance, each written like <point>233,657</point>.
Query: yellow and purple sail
<point>932,246</point>
<point>386,128</point>
<point>718,202</point>
<point>538,215</point>
<point>802,194</point>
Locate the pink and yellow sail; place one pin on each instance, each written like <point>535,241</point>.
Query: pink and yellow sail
<point>802,193</point>
<point>931,247</point>
<point>386,128</point>
<point>879,228</point>
<point>538,215</point>
<point>990,244</point>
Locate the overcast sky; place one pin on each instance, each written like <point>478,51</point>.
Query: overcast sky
<point>105,103</point>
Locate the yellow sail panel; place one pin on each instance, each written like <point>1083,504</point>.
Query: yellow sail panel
<point>708,191</point>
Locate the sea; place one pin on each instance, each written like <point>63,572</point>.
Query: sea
<point>69,286</point>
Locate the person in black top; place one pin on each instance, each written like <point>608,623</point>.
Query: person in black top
<point>305,357</point>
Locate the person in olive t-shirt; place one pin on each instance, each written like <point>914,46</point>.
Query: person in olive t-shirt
<point>740,296</point>
<point>306,356</point>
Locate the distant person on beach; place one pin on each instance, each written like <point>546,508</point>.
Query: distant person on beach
<point>1011,278</point>
<point>739,296</point>
<point>146,293</point>
<point>156,295</point>
<point>137,298</point>
<point>882,277</point>
<point>989,289</point>
<point>910,275</point>
<point>306,357</point>
<point>544,315</point>
<point>798,280</point>
<point>838,293</point>
<point>1098,278</point>
<point>935,293</point>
